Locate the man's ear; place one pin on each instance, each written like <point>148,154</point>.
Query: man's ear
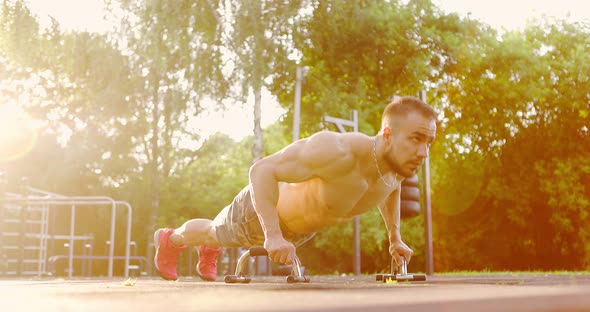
<point>386,132</point>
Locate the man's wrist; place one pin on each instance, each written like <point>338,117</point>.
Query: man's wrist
<point>273,234</point>
<point>395,238</point>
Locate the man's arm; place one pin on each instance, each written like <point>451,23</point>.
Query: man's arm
<point>390,211</point>
<point>322,155</point>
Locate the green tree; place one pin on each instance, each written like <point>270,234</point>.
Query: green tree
<point>66,83</point>
<point>74,88</point>
<point>511,111</point>
<point>177,60</point>
<point>256,33</point>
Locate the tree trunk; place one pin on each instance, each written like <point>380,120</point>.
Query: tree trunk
<point>155,181</point>
<point>257,145</point>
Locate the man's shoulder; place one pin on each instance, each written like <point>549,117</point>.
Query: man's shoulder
<point>339,136</point>
<point>345,143</point>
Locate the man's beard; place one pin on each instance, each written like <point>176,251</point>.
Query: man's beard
<point>404,172</point>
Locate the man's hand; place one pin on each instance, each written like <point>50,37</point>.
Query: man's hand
<point>280,250</point>
<point>398,250</point>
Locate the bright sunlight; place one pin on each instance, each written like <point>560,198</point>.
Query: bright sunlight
<point>17,132</point>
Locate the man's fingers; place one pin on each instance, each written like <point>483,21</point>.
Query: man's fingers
<point>290,257</point>
<point>275,256</point>
<point>409,256</point>
<point>398,259</point>
<point>280,251</point>
<point>283,256</point>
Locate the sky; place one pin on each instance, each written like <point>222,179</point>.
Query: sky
<point>501,14</point>
<point>513,14</point>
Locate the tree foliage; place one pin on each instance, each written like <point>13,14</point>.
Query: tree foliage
<point>525,112</point>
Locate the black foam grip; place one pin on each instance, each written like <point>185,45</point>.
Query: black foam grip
<point>411,181</point>
<point>410,193</point>
<point>298,279</point>
<point>409,208</point>
<point>233,279</point>
<point>419,277</point>
<point>258,251</point>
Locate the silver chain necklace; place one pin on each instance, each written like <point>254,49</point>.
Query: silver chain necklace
<point>377,165</point>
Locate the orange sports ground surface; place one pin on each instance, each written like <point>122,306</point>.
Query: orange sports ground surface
<point>485,292</point>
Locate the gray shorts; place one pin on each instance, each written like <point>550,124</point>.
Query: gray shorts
<point>237,225</point>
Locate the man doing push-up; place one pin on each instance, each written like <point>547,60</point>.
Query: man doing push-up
<point>313,183</point>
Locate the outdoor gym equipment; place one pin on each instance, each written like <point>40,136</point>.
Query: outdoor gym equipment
<point>241,277</point>
<point>400,275</point>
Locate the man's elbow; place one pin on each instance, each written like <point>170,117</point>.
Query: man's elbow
<point>259,169</point>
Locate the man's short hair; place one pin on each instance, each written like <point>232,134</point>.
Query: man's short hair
<point>402,106</point>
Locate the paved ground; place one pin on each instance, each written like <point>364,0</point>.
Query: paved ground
<point>325,293</point>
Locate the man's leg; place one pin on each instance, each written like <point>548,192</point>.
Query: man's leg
<point>195,232</point>
<point>170,243</point>
<point>226,229</point>
<point>200,232</point>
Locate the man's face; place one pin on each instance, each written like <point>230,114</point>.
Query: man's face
<point>410,142</point>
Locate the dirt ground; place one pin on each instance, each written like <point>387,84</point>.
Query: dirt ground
<point>511,292</point>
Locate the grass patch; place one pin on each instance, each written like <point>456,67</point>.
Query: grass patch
<point>390,281</point>
<point>129,282</point>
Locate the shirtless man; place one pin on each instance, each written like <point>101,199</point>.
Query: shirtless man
<point>328,178</point>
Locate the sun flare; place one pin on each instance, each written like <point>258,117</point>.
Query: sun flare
<point>17,134</point>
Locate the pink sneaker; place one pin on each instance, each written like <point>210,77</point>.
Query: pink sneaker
<point>167,253</point>
<point>207,266</point>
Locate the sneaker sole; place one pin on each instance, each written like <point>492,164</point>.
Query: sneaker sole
<point>157,247</point>
<point>201,275</point>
